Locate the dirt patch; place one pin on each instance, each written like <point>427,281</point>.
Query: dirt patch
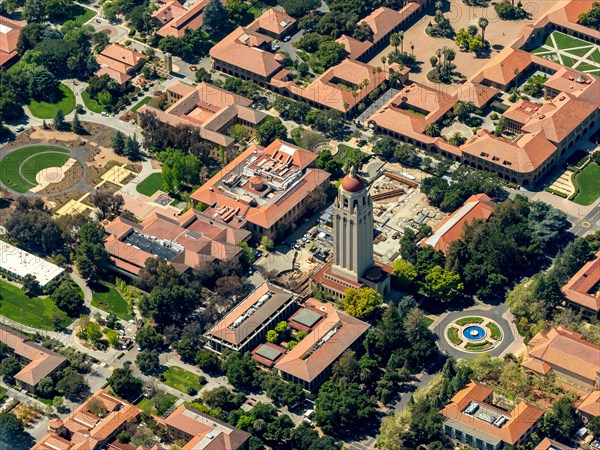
<point>56,202</point>
<point>72,176</point>
<point>56,136</point>
<point>106,154</point>
<point>155,164</point>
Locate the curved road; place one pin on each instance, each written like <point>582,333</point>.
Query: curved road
<point>495,314</point>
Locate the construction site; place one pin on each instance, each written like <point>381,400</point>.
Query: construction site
<point>398,203</point>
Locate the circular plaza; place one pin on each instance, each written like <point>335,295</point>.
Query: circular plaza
<point>465,334</point>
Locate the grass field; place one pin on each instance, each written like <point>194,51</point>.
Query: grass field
<point>108,299</point>
<point>453,336</point>
<point>346,152</point>
<point>495,332</point>
<point>466,320</point>
<point>570,52</point>
<point>141,103</point>
<point>43,110</point>
<point>149,185</point>
<point>90,103</point>
<point>9,165</point>
<point>181,379</point>
<point>588,184</point>
<point>84,14</point>
<point>427,321</point>
<point>159,404</point>
<point>33,312</point>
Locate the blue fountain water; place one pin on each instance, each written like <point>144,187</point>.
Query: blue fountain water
<point>474,333</point>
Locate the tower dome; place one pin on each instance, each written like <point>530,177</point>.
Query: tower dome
<point>353,182</point>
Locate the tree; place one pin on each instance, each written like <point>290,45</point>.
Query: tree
<point>591,18</point>
<point>125,384</point>
<point>272,336</point>
<point>147,361</point>
<point>342,407</point>
<point>148,339</point>
<point>35,11</point>
<point>9,367</point>
<point>463,110</point>
<point>71,385</point>
<point>272,128</point>
<point>432,129</point>
<point>361,302</point>
<point>132,148</point>
<point>442,284</point>
<point>45,388</point>
<point>215,15</point>
<point>594,426</point>
<point>76,126</point>
<point>12,433</point>
<point>395,41</point>
<point>207,361</point>
<point>108,203</point>
<point>91,257</point>
<point>404,272</point>
<point>68,299</point>
<point>97,407</point>
<point>31,285</point>
<point>385,146</point>
<point>240,370</point>
<point>457,139</point>
<point>93,332</point>
<point>59,120</point>
<point>169,305</point>
<point>267,243</point>
<point>483,24</point>
<point>203,76</point>
<point>563,420</point>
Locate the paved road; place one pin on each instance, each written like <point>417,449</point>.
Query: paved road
<point>589,223</point>
<point>495,314</point>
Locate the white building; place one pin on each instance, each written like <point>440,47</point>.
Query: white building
<point>18,263</point>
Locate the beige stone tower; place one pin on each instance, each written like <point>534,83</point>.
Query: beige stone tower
<point>353,228</point>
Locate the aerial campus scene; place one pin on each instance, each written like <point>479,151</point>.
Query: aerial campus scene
<point>299,224</point>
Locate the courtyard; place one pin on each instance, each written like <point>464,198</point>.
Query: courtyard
<point>570,52</point>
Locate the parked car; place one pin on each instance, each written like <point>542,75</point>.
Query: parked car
<point>20,128</point>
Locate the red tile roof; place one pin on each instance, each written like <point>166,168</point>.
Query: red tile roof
<point>549,444</point>
<point>9,36</point>
<point>583,288</point>
<point>117,61</point>
<point>324,344</point>
<point>274,21</point>
<point>476,207</point>
<point>522,417</point>
<point>567,350</point>
<point>591,404</point>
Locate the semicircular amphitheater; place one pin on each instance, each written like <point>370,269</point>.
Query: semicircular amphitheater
<point>32,169</point>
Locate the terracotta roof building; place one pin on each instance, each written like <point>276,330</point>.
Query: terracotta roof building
<point>188,241</point>
<point>83,430</point>
<point>119,63</point>
<point>175,18</point>
<point>383,22</point>
<point>583,289</point>
<point>39,361</point>
<point>246,325</point>
<point>476,207</point>
<point>9,36</point>
<point>213,110</point>
<point>549,444</point>
<point>571,358</point>
<point>590,406</point>
<point>274,23</point>
<point>330,333</point>
<point>264,190</point>
<point>339,87</point>
<point>472,419</point>
<point>203,432</point>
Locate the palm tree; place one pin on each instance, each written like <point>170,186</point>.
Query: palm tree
<point>383,60</point>
<point>412,49</point>
<point>432,129</point>
<point>456,138</point>
<point>483,23</point>
<point>401,37</point>
<point>395,41</point>
<point>516,72</point>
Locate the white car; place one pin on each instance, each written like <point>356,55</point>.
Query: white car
<point>287,38</point>
<point>20,128</point>
<point>104,114</point>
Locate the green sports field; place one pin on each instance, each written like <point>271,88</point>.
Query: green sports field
<point>570,52</point>
<point>19,168</point>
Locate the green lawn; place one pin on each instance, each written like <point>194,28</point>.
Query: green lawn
<point>479,346</point>
<point>83,15</point>
<point>43,110</point>
<point>588,184</point>
<point>595,56</point>
<point>107,298</point>
<point>90,103</point>
<point>149,185</point>
<point>427,321</point>
<point>585,67</point>
<point>345,152</point>
<point>33,312</point>
<point>453,336</point>
<point>581,51</point>
<point>158,405</point>
<point>181,379</point>
<point>466,320</point>
<point>564,41</point>
<point>9,165</point>
<point>567,61</point>
<point>39,162</point>
<point>496,334</point>
<point>141,103</point>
